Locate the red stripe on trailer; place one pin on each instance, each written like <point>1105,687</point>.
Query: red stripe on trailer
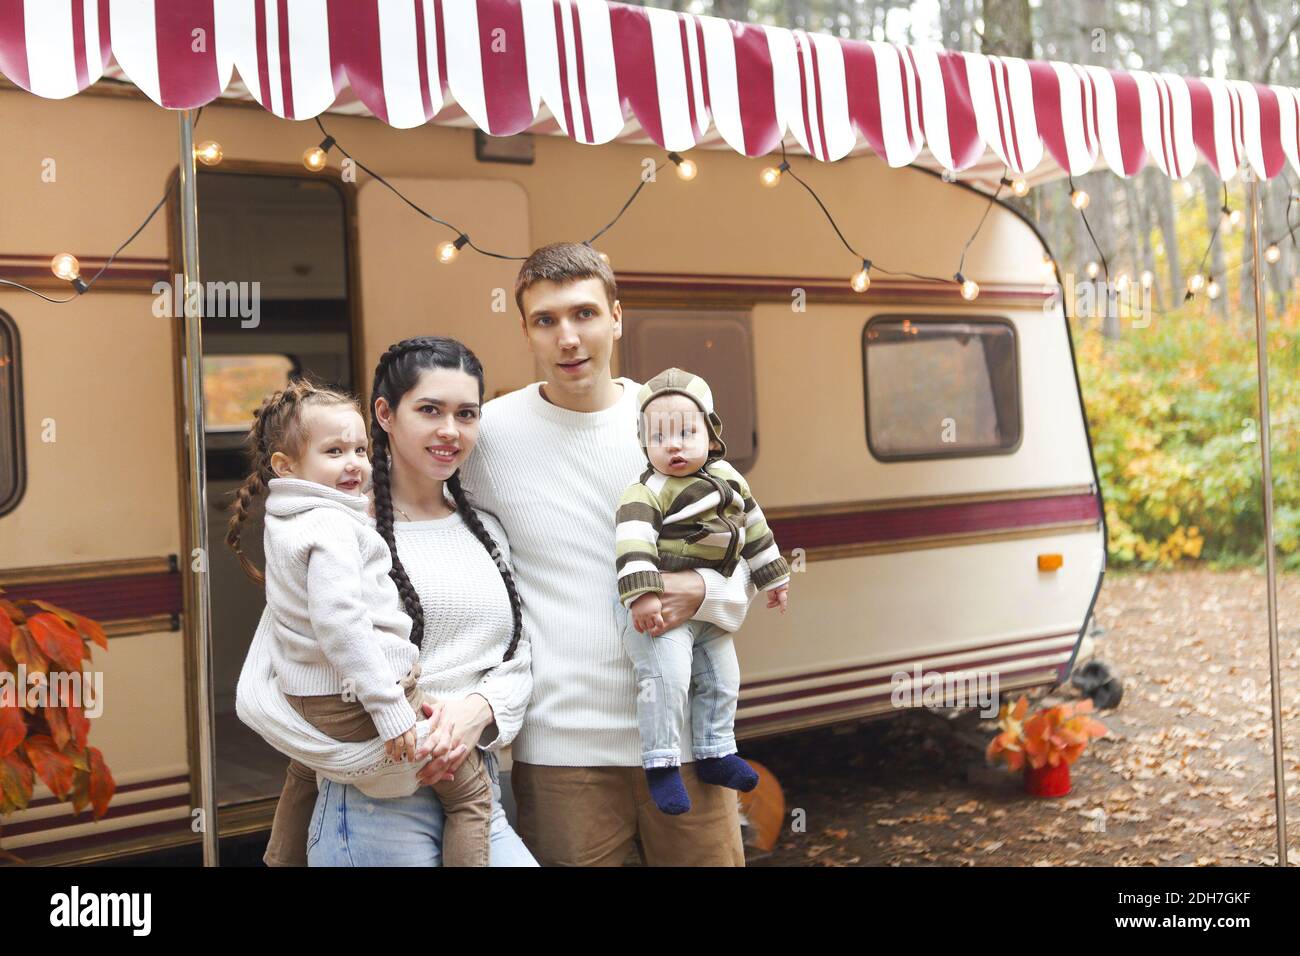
<point>910,659</point>
<point>1203,122</point>
<point>634,66</point>
<point>799,42</point>
<point>817,88</point>
<point>743,721</point>
<point>263,58</point>
<point>442,47</point>
<point>888,525</point>
<point>562,62</point>
<point>108,599</point>
<point>1046,87</point>
<point>117,790</point>
<point>108,838</point>
<point>696,125</point>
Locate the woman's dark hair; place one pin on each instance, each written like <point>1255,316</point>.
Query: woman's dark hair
<point>396,374</point>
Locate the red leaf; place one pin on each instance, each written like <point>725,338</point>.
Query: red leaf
<point>80,798</point>
<point>102,784</point>
<point>60,643</point>
<point>15,779</point>
<point>92,630</point>
<point>6,629</point>
<point>78,724</point>
<point>26,651</point>
<point>60,729</point>
<point>12,611</point>
<point>13,726</point>
<point>53,766</point>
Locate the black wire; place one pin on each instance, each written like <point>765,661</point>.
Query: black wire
<point>992,199</point>
<point>460,233</point>
<point>1095,244</point>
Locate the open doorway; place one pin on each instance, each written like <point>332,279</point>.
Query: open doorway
<point>282,241</point>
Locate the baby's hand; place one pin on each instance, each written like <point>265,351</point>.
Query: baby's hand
<point>779,597</point>
<point>401,748</point>
<point>647,614</point>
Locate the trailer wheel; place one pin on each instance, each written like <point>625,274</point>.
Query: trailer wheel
<point>1095,680</point>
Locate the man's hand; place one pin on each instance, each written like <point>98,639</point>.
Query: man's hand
<point>681,600</point>
<point>645,614</point>
<point>779,597</point>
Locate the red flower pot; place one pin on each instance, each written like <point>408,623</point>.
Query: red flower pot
<point>1048,781</point>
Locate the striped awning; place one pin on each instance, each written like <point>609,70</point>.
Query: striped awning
<point>599,72</point>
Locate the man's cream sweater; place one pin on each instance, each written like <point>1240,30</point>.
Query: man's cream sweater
<point>553,478</point>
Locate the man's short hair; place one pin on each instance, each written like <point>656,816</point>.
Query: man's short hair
<point>562,262</point>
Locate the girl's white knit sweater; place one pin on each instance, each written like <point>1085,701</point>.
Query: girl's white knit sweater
<point>554,478</point>
<point>467,629</point>
<point>337,618</point>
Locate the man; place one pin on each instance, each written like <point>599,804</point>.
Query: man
<point>553,459</point>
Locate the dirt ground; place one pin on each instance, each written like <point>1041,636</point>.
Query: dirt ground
<point>1184,777</point>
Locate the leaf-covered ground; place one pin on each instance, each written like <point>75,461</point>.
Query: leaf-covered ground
<point>1185,776</point>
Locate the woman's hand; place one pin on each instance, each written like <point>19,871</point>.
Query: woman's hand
<point>457,726</point>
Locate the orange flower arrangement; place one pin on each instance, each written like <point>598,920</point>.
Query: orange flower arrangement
<point>1048,738</point>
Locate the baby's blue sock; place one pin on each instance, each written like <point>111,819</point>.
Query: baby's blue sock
<point>729,771</point>
<point>667,789</point>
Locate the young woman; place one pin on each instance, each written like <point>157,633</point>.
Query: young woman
<point>451,567</point>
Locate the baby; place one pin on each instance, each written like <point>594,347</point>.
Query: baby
<point>690,509</point>
<point>343,653</point>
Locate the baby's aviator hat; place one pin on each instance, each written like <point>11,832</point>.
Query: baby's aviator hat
<point>674,381</point>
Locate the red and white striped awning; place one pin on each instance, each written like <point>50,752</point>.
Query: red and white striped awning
<point>599,72</point>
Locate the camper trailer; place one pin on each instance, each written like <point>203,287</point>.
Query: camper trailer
<point>923,457</point>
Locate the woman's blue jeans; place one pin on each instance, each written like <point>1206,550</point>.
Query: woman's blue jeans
<point>349,828</point>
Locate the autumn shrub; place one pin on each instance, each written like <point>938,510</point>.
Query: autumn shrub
<point>43,729</point>
<point>1173,412</point>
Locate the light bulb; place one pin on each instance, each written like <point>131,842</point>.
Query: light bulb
<point>770,176</point>
<point>448,252</point>
<point>65,266</point>
<point>1234,218</point>
<point>1188,189</point>
<point>860,282</point>
<point>1147,277</point>
<point>1196,283</point>
<point>1212,290</point>
<point>969,290</point>
<point>1121,281</point>
<point>1272,253</point>
<point>1079,199</point>
<point>1019,187</point>
<point>208,153</point>
<point>1093,269</point>
<point>314,159</point>
<point>1049,268</point>
<point>687,169</point>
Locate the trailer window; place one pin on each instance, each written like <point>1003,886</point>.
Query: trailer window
<point>12,452</point>
<point>715,345</point>
<point>938,388</point>
<point>234,386</point>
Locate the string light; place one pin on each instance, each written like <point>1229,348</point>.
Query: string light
<point>1092,269</point>
<point>315,157</point>
<point>1079,199</point>
<point>1272,254</point>
<point>1019,186</point>
<point>1147,278</point>
<point>686,168</point>
<point>1196,283</point>
<point>1212,289</point>
<point>1049,267</point>
<point>861,280</point>
<point>1121,282</point>
<point>771,175</point>
<point>66,267</point>
<point>969,288</point>
<point>449,251</point>
<point>208,152</point>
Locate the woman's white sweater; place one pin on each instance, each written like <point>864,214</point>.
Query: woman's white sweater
<point>553,477</point>
<point>467,629</point>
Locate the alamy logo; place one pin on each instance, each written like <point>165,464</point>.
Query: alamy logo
<point>102,909</point>
<point>951,689</point>
<point>213,300</point>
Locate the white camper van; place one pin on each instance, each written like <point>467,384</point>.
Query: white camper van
<point>924,459</point>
